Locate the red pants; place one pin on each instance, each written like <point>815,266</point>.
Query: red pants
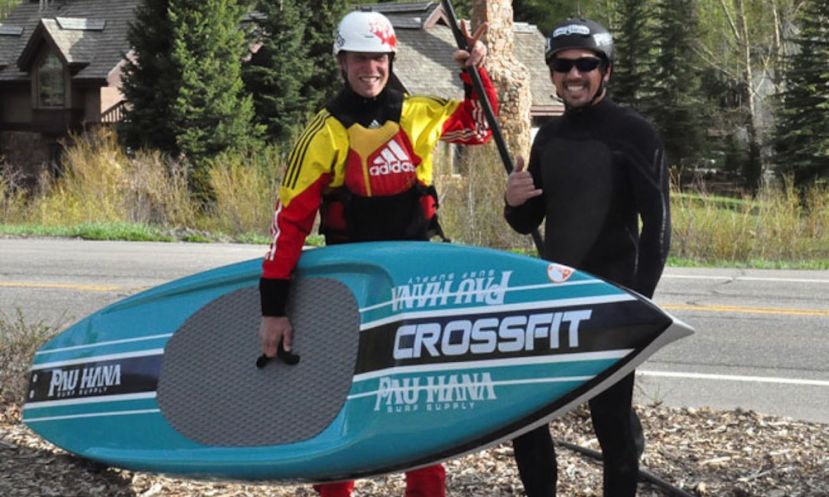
<point>424,482</point>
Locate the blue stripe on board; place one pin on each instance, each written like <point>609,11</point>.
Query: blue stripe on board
<point>97,406</point>
<point>111,347</point>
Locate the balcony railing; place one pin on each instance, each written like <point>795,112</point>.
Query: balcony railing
<point>114,114</point>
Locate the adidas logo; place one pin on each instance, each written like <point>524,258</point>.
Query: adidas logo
<point>393,159</point>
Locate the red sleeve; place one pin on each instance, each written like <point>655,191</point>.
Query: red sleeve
<point>291,225</point>
<point>468,124</point>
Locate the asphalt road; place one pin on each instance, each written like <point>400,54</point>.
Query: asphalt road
<point>760,343</point>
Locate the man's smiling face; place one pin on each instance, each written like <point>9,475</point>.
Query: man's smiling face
<point>367,72</point>
<point>575,87</point>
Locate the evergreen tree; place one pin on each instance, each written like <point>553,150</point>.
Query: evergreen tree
<point>325,80</point>
<point>150,80</point>
<point>6,6</point>
<point>676,104</point>
<point>634,59</point>
<point>802,130</point>
<point>547,13</point>
<point>212,113</point>
<point>277,72</point>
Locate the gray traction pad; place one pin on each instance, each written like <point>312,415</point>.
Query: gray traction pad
<point>211,391</point>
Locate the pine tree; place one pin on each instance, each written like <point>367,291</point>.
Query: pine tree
<point>277,72</point>
<point>150,80</point>
<point>212,113</point>
<point>634,55</point>
<point>802,130</point>
<point>676,103</point>
<point>6,6</point>
<point>325,80</point>
<point>545,14</point>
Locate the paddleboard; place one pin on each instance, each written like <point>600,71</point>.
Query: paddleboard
<point>405,354</point>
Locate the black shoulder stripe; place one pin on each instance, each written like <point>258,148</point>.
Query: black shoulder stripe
<point>300,149</point>
<point>295,150</point>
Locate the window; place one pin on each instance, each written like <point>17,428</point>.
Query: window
<point>51,89</point>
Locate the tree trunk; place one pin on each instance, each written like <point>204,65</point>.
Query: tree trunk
<point>753,168</point>
<point>511,78</point>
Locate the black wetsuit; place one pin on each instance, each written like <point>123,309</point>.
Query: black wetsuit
<point>601,168</point>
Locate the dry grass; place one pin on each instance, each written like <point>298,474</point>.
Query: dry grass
<point>12,197</point>
<point>18,342</point>
<point>472,205</point>
<point>245,189</point>
<point>103,185</point>
<point>778,224</point>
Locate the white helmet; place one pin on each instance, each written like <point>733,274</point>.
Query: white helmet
<point>363,31</point>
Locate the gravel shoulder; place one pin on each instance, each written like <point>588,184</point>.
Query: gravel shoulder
<point>702,451</point>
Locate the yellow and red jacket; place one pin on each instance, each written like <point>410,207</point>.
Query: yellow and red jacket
<point>351,164</point>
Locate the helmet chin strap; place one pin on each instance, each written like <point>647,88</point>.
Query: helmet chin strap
<point>600,91</point>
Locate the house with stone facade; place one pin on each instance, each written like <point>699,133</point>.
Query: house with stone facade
<point>61,62</point>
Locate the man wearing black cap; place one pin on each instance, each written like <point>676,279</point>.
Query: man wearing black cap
<point>594,173</point>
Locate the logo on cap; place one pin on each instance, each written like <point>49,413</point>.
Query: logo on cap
<point>571,29</point>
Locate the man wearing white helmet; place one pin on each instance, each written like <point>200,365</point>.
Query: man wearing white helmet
<point>365,163</point>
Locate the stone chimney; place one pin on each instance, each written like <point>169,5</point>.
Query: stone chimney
<point>511,77</point>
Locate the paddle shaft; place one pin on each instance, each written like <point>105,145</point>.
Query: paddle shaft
<point>644,474</point>
<point>478,85</point>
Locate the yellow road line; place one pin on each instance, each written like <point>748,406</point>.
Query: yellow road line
<point>61,286</point>
<point>745,310</point>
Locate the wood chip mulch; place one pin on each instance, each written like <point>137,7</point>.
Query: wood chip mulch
<point>701,451</point>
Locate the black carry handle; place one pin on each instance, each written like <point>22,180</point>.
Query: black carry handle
<point>460,39</point>
<point>288,358</point>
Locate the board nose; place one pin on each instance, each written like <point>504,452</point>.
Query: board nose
<point>677,329</point>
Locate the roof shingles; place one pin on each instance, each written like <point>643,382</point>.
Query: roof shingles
<point>97,51</point>
<point>424,65</point>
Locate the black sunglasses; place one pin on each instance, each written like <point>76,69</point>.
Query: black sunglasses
<point>584,64</point>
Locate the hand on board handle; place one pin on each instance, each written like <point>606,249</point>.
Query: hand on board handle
<point>277,338</point>
<point>288,358</point>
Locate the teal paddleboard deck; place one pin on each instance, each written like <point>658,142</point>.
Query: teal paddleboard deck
<point>410,353</point>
